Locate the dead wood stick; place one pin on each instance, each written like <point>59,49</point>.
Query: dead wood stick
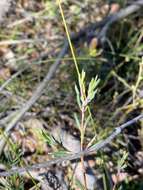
<point>123,13</point>
<point>101,144</point>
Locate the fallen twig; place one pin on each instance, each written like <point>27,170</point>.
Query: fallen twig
<point>91,150</point>
<point>15,42</point>
<point>118,16</point>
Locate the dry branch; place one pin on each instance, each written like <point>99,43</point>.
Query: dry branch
<point>123,13</point>
<point>101,144</point>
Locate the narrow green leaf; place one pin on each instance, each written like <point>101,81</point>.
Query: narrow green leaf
<point>49,139</point>
<point>76,89</point>
<point>77,121</point>
<point>60,153</point>
<point>78,96</point>
<point>79,185</point>
<point>82,76</point>
<point>87,121</point>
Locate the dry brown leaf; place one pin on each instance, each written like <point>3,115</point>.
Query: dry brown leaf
<point>35,140</point>
<point>4,73</point>
<point>119,178</point>
<point>114,8</point>
<point>31,139</point>
<point>93,44</point>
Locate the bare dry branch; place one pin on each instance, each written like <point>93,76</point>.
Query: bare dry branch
<point>91,150</point>
<point>118,16</point>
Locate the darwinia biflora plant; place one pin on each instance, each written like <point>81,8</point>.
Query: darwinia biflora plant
<point>84,97</point>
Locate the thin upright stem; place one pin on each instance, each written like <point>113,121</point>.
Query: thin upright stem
<point>81,146</point>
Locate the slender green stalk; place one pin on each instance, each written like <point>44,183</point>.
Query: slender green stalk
<point>78,73</point>
<point>68,37</point>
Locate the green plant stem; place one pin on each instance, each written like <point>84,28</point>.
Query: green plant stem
<point>81,145</point>
<point>68,38</point>
<point>84,172</point>
<point>78,73</point>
